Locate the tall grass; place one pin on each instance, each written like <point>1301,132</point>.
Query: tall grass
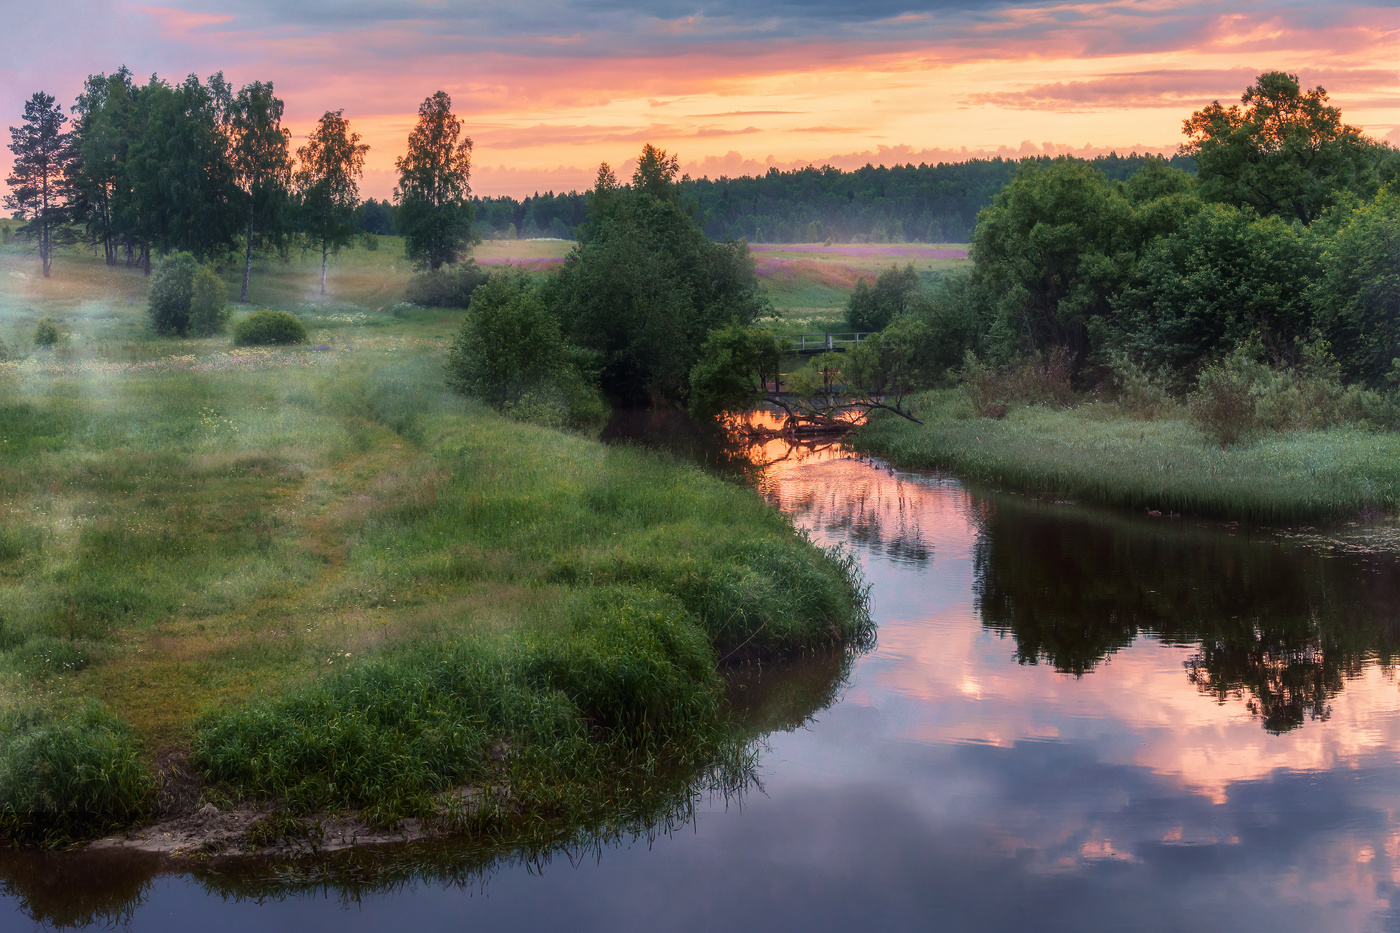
<point>69,772</point>
<point>1096,452</point>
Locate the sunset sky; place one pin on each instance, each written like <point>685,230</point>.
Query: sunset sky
<point>550,89</point>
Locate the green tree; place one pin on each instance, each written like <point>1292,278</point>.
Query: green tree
<point>904,358</point>
<point>328,167</point>
<point>1225,276</point>
<point>172,288</point>
<point>656,173</point>
<point>871,308</point>
<point>105,115</point>
<point>954,313</point>
<point>39,178</point>
<point>511,354</point>
<point>434,191</point>
<point>183,189</point>
<point>643,288</point>
<point>736,366</point>
<point>1286,152</point>
<point>262,168</point>
<point>1357,300</point>
<point>1051,251</point>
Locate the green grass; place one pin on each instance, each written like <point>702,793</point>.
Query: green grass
<point>1099,453</point>
<point>338,585</point>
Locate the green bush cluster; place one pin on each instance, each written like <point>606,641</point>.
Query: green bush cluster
<point>69,773</point>
<point>46,332</point>
<point>451,286</point>
<point>269,328</point>
<point>186,296</point>
<point>511,353</point>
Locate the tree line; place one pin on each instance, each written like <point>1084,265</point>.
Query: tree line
<point>199,168</point>
<point>874,204</point>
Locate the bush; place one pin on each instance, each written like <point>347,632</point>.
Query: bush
<point>449,287</point>
<point>1140,393</point>
<point>208,303</point>
<point>1224,404</point>
<point>262,328</point>
<point>67,775</point>
<point>1038,379</point>
<point>46,332</point>
<point>510,353</point>
<point>172,287</point>
<point>735,363</point>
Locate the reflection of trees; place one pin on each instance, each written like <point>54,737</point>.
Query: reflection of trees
<point>1281,626</point>
<point>78,889</point>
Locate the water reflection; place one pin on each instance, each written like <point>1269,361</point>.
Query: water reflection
<point>106,889</point>
<point>1282,626</point>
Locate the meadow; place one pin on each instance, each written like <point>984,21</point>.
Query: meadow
<point>809,284</point>
<point>313,578</point>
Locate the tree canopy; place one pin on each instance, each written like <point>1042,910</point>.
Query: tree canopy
<point>1285,152</point>
<point>262,168</point>
<point>645,285</point>
<point>434,190</point>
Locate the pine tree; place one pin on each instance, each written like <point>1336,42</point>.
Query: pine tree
<point>39,181</point>
<point>327,169</point>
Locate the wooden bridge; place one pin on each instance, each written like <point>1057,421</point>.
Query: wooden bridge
<point>815,344</point>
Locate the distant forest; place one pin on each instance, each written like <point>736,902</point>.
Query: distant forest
<point>874,204</point>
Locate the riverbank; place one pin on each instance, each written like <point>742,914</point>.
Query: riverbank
<point>1098,452</point>
<point>315,582</point>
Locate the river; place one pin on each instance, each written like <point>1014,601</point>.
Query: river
<point>1073,719</point>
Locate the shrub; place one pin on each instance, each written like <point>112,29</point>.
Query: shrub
<point>172,287</point>
<point>70,774</point>
<point>1224,404</point>
<point>208,303</point>
<point>262,328</point>
<point>46,332</point>
<point>1140,393</point>
<point>449,287</point>
<point>511,354</point>
<point>1040,379</point>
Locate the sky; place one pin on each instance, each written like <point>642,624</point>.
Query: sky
<point>548,89</point>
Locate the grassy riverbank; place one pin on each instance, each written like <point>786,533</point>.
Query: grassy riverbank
<point>315,578</point>
<point>1101,453</point>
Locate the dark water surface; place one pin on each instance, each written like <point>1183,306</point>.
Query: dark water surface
<point>1073,720</point>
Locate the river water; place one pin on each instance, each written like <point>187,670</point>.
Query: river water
<point>1073,719</point>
